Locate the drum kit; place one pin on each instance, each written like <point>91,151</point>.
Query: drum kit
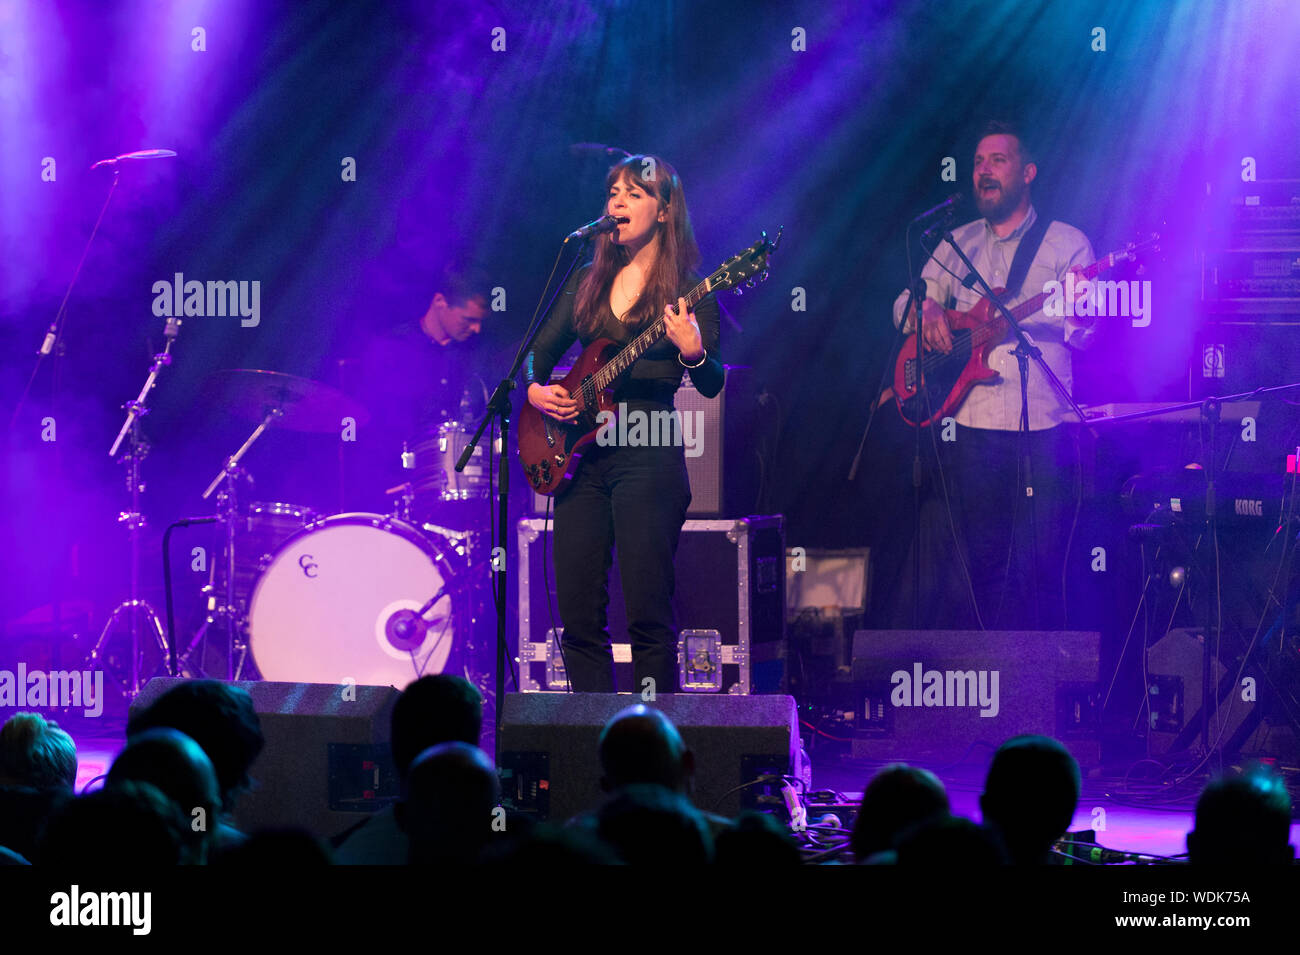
<point>374,599</point>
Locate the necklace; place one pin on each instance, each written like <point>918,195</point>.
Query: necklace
<point>622,285</point>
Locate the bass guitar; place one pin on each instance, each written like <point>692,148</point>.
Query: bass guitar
<point>975,332</point>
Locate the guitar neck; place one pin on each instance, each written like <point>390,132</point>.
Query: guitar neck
<point>646,340</point>
<point>1030,306</point>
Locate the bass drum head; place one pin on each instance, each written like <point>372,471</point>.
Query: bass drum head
<point>320,609</point>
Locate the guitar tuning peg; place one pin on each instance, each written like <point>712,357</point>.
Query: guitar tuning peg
<point>749,284</point>
<point>762,276</point>
<point>738,290</point>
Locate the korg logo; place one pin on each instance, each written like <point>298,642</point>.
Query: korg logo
<point>1249,508</point>
<point>924,687</point>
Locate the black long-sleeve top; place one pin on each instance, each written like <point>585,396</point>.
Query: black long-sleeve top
<point>656,375</point>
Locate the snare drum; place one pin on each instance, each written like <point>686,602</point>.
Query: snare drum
<point>324,609</point>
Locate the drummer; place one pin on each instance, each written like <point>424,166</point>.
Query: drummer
<point>452,324</point>
<point>424,372</point>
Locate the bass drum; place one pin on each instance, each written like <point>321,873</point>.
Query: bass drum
<point>323,610</point>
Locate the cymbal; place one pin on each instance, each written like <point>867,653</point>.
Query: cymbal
<point>307,405</point>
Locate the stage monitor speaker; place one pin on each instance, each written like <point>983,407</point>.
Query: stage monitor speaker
<point>326,763</point>
<point>549,766</point>
<point>1174,672</point>
<point>937,697</point>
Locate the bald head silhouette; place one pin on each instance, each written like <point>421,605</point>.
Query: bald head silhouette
<point>450,793</point>
<point>641,746</point>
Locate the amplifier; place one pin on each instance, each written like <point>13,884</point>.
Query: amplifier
<point>1251,269</point>
<point>730,595</point>
<point>1231,358</point>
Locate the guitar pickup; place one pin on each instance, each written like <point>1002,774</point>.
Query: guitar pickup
<point>909,374</point>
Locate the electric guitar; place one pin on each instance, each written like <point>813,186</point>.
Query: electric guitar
<point>974,334</point>
<point>551,450</point>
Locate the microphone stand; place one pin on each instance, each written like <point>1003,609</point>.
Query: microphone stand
<point>134,519</point>
<point>52,344</point>
<point>499,408</point>
<point>918,471</point>
<point>1024,351</point>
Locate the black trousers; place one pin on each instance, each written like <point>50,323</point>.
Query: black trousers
<point>633,499</point>
<point>1015,545</point>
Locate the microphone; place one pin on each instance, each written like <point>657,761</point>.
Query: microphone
<point>579,150</point>
<point>946,206</point>
<point>138,154</point>
<point>595,227</point>
<point>405,629</point>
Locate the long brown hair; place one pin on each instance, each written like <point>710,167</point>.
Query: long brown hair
<point>677,258</point>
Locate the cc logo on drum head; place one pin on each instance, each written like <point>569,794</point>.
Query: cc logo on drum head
<point>308,568</point>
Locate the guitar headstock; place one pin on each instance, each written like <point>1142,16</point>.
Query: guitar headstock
<point>1143,247</point>
<point>748,267</point>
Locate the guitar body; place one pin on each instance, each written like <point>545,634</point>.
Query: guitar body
<point>550,450</point>
<point>948,378</point>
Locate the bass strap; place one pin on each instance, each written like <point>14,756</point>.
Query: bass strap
<point>1024,256</point>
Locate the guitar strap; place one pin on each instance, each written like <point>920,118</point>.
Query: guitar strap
<point>1024,257</point>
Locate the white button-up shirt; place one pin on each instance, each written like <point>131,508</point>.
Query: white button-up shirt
<point>996,405</point>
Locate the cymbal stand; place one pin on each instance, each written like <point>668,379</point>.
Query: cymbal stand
<point>227,501</point>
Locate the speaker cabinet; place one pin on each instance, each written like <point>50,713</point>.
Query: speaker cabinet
<point>1174,671</point>
<point>549,765</point>
<point>940,696</point>
<point>326,763</point>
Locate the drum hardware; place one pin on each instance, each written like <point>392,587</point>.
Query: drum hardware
<point>266,397</point>
<point>258,534</point>
<point>135,607</point>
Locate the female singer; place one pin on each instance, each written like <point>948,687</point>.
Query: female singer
<point>633,497</point>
